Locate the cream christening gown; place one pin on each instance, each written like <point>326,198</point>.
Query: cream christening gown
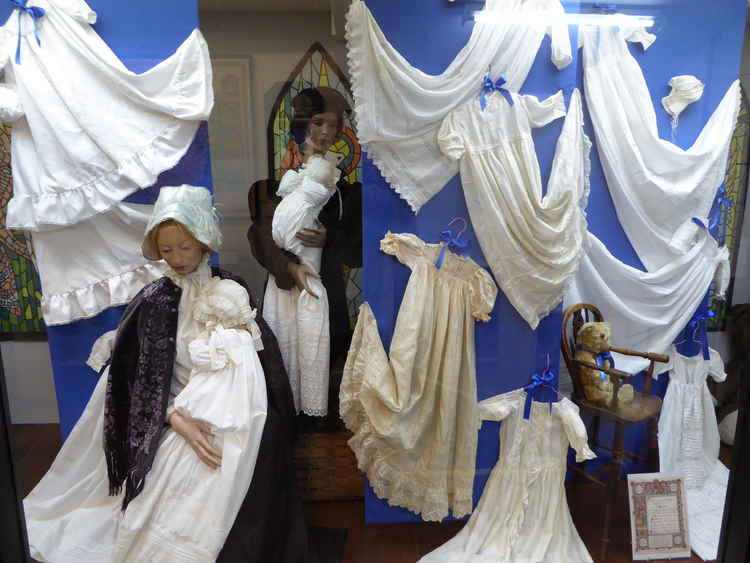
<point>523,514</point>
<point>413,412</point>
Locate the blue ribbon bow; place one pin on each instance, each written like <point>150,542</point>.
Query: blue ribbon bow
<point>698,323</point>
<point>601,357</point>
<point>488,87</point>
<point>536,381</point>
<point>35,12</point>
<point>448,241</point>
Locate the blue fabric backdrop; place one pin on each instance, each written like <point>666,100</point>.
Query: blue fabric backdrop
<point>694,37</point>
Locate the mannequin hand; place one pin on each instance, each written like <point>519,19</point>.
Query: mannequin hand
<point>300,273</point>
<point>198,434</point>
<point>314,237</point>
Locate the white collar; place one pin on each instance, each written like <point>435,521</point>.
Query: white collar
<point>197,277</point>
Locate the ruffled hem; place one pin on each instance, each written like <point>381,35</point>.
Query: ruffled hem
<point>354,36</point>
<point>89,301</point>
<point>57,209</point>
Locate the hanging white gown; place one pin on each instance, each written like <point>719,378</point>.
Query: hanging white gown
<point>72,158</point>
<point>647,310</point>
<point>185,510</point>
<point>656,187</point>
<point>93,265</point>
<point>399,108</point>
<point>413,412</point>
<point>299,320</point>
<point>523,514</point>
<point>533,244</point>
<point>689,445</point>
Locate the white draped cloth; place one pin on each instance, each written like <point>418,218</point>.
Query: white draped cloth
<point>299,320</point>
<point>523,514</point>
<point>689,445</point>
<point>93,131</point>
<point>647,310</point>
<point>186,509</point>
<point>656,186</point>
<point>533,244</point>
<point>399,108</point>
<point>95,264</point>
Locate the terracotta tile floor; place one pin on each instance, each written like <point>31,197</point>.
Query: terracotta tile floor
<point>36,446</point>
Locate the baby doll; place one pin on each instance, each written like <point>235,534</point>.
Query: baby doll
<point>592,342</point>
<point>300,319</point>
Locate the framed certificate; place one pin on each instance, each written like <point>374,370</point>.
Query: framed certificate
<point>658,516</point>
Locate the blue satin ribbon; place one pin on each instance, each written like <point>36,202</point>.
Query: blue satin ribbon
<point>35,13</point>
<point>536,381</point>
<point>698,322</point>
<point>600,359</point>
<point>448,241</point>
<point>488,87</point>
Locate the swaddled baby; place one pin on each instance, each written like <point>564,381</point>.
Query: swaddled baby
<point>300,320</point>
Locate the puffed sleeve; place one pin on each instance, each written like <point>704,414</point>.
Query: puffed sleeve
<point>483,294</point>
<point>10,104</point>
<point>499,406</point>
<point>544,112</point>
<point>639,35</point>
<point>101,351</point>
<point>716,366</point>
<point>405,246</point>
<point>575,430</point>
<point>78,10</point>
<point>208,354</point>
<point>449,137</point>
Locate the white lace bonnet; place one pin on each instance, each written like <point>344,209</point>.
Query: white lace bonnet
<point>686,89</point>
<point>193,207</point>
<point>224,302</point>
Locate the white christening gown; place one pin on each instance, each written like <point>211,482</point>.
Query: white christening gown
<point>413,412</point>
<point>533,243</point>
<point>689,445</point>
<point>185,510</point>
<point>523,514</point>
<point>299,320</point>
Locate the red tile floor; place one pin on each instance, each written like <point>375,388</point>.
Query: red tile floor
<point>36,445</point>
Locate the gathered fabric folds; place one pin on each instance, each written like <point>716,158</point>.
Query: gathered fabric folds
<point>656,186</point>
<point>95,264</point>
<point>399,108</point>
<point>689,445</point>
<point>647,310</point>
<point>532,243</point>
<point>140,125</point>
<point>413,413</point>
<point>523,514</point>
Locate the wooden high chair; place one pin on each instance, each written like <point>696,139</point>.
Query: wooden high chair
<point>644,408</point>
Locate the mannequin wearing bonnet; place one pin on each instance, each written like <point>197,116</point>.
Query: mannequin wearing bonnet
<point>147,496</point>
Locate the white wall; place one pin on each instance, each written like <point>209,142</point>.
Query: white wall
<point>28,376</point>
<point>273,43</point>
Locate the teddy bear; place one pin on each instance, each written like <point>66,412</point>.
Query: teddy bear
<point>591,341</point>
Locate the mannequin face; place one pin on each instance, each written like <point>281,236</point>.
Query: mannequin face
<point>179,248</point>
<point>322,131</point>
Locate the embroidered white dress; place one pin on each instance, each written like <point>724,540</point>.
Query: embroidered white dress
<point>299,320</point>
<point>399,107</point>
<point>186,509</point>
<point>533,243</point>
<point>523,514</point>
<point>140,125</point>
<point>413,412</point>
<point>689,445</point>
<point>656,186</point>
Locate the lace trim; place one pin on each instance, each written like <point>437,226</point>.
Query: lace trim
<point>355,55</point>
<point>89,301</point>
